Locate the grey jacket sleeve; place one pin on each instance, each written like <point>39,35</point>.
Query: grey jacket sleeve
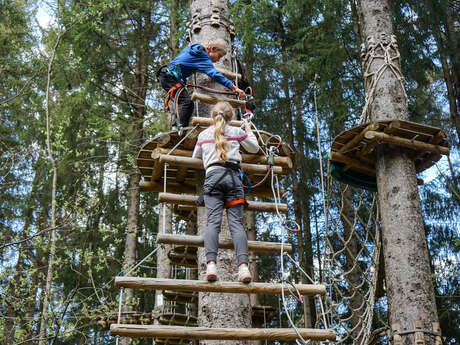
<point>250,143</point>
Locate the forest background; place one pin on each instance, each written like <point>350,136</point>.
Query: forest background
<point>78,97</point>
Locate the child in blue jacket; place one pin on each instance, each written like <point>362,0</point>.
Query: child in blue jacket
<point>195,57</point>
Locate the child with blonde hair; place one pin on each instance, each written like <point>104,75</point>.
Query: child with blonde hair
<point>218,146</point>
<point>194,57</point>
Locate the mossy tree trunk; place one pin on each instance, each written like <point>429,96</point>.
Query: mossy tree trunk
<point>217,309</point>
<point>410,290</point>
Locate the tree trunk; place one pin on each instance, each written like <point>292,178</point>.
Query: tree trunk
<point>215,309</point>
<point>52,240</point>
<point>410,290</point>
<point>137,102</point>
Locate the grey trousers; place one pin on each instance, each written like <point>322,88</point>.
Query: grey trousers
<point>226,188</point>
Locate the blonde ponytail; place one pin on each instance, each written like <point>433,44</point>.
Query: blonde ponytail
<point>221,113</point>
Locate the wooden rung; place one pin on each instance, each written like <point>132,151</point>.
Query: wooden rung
<point>204,333</point>
<point>412,144</point>
<point>206,121</point>
<point>236,103</point>
<point>229,74</point>
<point>180,296</point>
<point>186,199</point>
<point>196,163</point>
<point>352,143</point>
<point>197,241</point>
<point>177,188</point>
<point>177,319</point>
<point>171,187</point>
<point>355,164</point>
<point>282,161</point>
<point>203,286</point>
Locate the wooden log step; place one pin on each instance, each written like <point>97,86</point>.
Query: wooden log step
<point>282,161</point>
<point>198,241</point>
<point>177,259</point>
<point>172,342</point>
<point>196,163</point>
<point>204,333</point>
<point>186,199</point>
<point>177,188</point>
<point>262,313</point>
<point>205,98</point>
<point>229,74</point>
<point>177,319</point>
<point>203,286</point>
<point>409,143</point>
<point>180,296</point>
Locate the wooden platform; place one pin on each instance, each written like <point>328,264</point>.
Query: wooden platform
<point>203,333</point>
<point>198,241</point>
<point>182,168</point>
<point>203,286</point>
<point>354,149</point>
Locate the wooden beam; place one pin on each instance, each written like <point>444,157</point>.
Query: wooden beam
<point>171,187</point>
<point>355,164</point>
<point>353,142</point>
<point>141,283</point>
<point>187,199</point>
<point>412,144</point>
<point>283,161</point>
<point>206,122</point>
<point>196,163</point>
<point>204,98</point>
<point>229,74</point>
<point>204,333</point>
<point>177,188</point>
<point>198,241</point>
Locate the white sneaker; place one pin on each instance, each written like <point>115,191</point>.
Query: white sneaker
<point>244,276</point>
<point>211,272</point>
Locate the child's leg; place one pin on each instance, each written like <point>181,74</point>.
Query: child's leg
<point>240,241</point>
<point>214,208</point>
<point>185,108</point>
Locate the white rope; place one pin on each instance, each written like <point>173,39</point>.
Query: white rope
<point>390,51</point>
<point>182,140</point>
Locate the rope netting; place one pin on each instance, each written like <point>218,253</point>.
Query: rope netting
<point>353,266</point>
<point>352,263</point>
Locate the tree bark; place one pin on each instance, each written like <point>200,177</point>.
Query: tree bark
<point>410,290</point>
<point>137,103</point>
<point>216,309</point>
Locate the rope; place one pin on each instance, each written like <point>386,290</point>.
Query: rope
<point>387,48</point>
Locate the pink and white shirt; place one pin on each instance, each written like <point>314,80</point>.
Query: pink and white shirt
<point>205,147</point>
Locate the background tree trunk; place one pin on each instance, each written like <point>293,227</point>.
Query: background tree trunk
<point>137,103</point>
<point>216,309</point>
<point>409,288</point>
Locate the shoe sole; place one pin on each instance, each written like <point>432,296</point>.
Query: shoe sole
<point>211,278</point>
<point>246,280</point>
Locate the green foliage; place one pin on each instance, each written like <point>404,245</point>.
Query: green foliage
<point>100,116</point>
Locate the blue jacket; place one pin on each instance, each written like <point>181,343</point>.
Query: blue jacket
<point>194,58</point>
